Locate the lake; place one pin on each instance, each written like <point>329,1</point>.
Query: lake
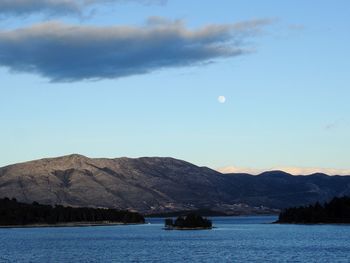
<point>235,239</point>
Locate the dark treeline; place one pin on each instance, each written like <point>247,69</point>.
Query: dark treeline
<point>15,213</point>
<point>335,211</point>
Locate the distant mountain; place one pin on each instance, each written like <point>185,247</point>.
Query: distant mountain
<point>157,185</point>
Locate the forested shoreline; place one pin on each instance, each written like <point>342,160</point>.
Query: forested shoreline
<point>337,211</point>
<point>13,213</point>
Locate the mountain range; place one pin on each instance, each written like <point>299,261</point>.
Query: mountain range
<point>156,185</point>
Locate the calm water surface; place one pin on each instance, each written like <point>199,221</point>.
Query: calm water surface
<point>236,239</point>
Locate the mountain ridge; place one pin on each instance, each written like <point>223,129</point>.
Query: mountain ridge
<point>160,184</point>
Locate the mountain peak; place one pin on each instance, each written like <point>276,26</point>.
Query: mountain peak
<point>74,156</point>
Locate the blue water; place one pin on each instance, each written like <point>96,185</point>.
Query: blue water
<point>236,239</point>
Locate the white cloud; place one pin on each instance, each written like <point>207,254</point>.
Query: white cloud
<point>234,169</point>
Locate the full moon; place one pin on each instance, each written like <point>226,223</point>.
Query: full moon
<point>222,99</point>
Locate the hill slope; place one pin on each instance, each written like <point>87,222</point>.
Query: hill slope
<point>152,185</point>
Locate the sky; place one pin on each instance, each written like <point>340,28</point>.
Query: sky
<point>230,84</point>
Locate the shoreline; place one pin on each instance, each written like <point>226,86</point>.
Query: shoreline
<point>71,224</point>
<point>308,224</point>
<point>227,215</point>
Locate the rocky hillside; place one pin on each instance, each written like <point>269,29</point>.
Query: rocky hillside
<point>153,185</point>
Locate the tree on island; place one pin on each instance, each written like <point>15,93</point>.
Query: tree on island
<point>190,221</point>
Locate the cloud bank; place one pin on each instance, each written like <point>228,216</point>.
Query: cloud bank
<point>64,53</point>
<point>57,7</point>
<point>290,170</point>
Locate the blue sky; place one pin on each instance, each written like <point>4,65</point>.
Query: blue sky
<point>287,93</point>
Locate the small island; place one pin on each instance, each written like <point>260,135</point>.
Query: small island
<point>337,211</point>
<point>191,221</point>
<point>14,214</point>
